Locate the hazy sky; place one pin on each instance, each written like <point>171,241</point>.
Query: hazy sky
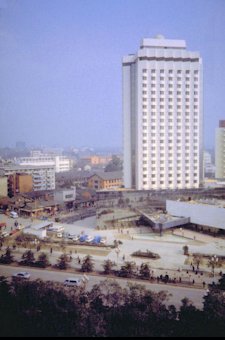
<point>61,72</point>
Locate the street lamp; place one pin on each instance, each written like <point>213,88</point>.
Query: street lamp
<point>214,262</point>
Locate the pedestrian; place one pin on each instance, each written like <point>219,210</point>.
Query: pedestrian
<point>51,250</point>
<point>203,283</point>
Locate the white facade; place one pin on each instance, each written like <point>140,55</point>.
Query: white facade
<point>162,116</point>
<point>199,213</point>
<point>66,195</point>
<point>209,167</point>
<point>220,151</point>
<point>61,163</point>
<point>43,176</point>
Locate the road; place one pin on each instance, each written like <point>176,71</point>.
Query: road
<point>178,293</point>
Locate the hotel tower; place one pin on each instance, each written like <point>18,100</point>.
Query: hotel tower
<point>162,116</point>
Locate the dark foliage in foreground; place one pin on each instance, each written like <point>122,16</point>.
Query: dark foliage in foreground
<point>39,309</point>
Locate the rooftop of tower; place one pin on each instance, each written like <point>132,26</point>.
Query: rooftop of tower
<point>159,41</point>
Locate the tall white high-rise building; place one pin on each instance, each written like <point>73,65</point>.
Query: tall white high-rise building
<point>162,116</point>
<point>220,150</point>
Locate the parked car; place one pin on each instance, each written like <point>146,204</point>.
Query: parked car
<point>103,241</point>
<point>96,240</point>
<point>72,282</point>
<point>70,236</point>
<point>76,238</point>
<point>4,234</point>
<point>83,238</point>
<point>13,214</point>
<point>89,238</point>
<point>22,275</point>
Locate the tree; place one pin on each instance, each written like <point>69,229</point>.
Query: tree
<point>63,261</point>
<point>87,264</point>
<point>145,271</point>
<point>221,283</point>
<point>7,258</point>
<point>128,270</point>
<point>213,263</point>
<point>114,165</point>
<point>108,265</point>
<point>27,258</point>
<point>42,261</point>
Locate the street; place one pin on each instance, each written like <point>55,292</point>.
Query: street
<point>178,293</point>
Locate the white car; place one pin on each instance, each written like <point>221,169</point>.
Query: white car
<point>89,238</point>
<point>76,238</point>
<point>22,275</point>
<point>4,234</point>
<point>72,281</point>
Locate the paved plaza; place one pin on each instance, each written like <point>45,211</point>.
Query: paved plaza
<point>169,247</point>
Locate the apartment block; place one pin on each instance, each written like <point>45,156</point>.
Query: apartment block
<point>19,183</point>
<point>61,163</point>
<point>43,177</point>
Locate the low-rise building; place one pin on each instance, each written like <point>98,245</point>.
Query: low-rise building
<point>43,177</point>
<point>3,186</point>
<point>65,195</point>
<point>210,213</point>
<point>106,180</point>
<point>19,183</point>
<point>99,160</point>
<point>61,163</point>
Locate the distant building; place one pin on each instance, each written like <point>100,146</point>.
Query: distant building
<point>3,186</point>
<point>43,176</point>
<point>99,160</point>
<point>209,167</point>
<point>61,163</point>
<point>19,183</point>
<point>220,151</point>
<point>65,195</point>
<point>106,180</point>
<point>162,116</point>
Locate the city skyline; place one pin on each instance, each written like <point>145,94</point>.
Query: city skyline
<point>60,65</point>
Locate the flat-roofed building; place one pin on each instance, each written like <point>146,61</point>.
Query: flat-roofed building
<point>43,177</point>
<point>61,163</point>
<point>19,183</point>
<point>220,150</point>
<point>162,116</point>
<point>3,186</point>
